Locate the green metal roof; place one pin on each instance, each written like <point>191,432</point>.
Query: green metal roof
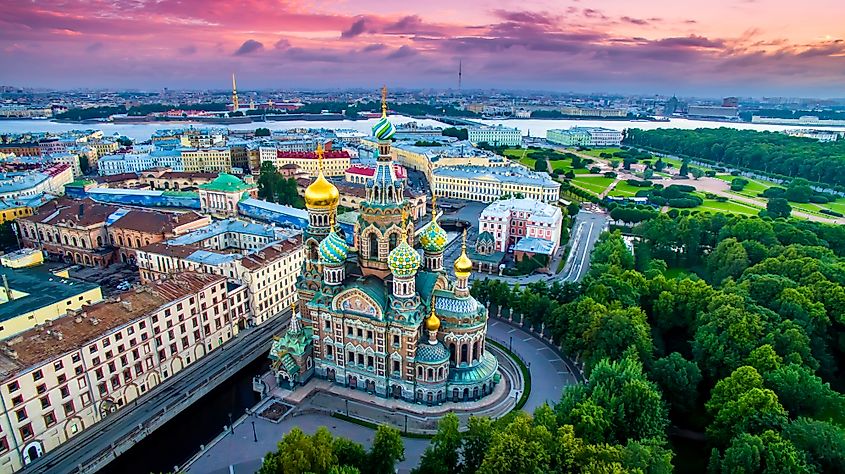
<point>372,287</point>
<point>226,183</point>
<point>42,289</point>
<point>79,183</point>
<point>483,371</point>
<point>425,282</point>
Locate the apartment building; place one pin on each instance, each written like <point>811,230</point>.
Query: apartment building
<point>476,183</point>
<point>265,258</point>
<point>511,220</point>
<point>335,162</point>
<point>58,379</point>
<point>495,135</point>
<point>217,159</point>
<point>585,136</point>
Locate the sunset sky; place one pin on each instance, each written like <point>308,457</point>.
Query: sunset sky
<point>713,47</point>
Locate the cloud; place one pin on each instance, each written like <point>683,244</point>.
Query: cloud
<point>248,47</point>
<point>403,52</point>
<point>634,21</point>
<point>94,47</point>
<point>374,47</point>
<point>282,44</point>
<point>188,50</point>
<point>691,41</point>
<point>356,29</point>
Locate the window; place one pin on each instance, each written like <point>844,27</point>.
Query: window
<point>58,365</point>
<point>92,348</point>
<point>21,414</point>
<point>13,386</point>
<point>75,358</point>
<point>64,392</point>
<point>68,407</point>
<point>26,431</point>
<point>62,378</point>
<point>45,401</point>
<point>50,419</point>
<point>4,445</point>
<point>37,375</point>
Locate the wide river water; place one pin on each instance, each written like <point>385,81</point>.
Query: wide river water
<point>534,127</point>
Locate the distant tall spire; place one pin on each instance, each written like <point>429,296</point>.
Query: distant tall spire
<point>384,101</point>
<point>460,73</point>
<point>235,104</point>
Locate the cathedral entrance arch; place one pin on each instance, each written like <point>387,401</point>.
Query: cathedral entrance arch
<point>353,382</point>
<point>330,375</point>
<point>396,391</point>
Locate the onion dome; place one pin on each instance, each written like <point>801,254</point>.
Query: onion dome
<point>321,194</point>
<point>432,323</point>
<point>433,237</point>
<point>463,265</point>
<point>383,129</point>
<point>333,249</point>
<point>403,261</point>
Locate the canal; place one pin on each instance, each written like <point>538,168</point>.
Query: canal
<point>179,439</point>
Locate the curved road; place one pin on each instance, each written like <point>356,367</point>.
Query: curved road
<point>549,376</point>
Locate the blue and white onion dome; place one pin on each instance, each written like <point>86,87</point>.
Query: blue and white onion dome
<point>433,237</point>
<point>333,249</point>
<point>403,261</point>
<point>383,129</point>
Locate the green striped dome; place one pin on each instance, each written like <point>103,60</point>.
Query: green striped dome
<point>333,249</point>
<point>433,237</point>
<point>403,261</point>
<point>383,129</point>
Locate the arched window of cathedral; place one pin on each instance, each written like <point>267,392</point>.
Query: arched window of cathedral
<point>393,241</point>
<point>452,354</point>
<point>419,372</point>
<point>440,373</point>
<point>430,374</point>
<point>373,246</point>
<point>312,251</point>
<point>464,350</point>
<point>475,351</point>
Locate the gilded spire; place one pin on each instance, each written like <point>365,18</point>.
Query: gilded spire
<point>404,225</point>
<point>384,101</point>
<point>432,323</point>
<point>320,152</point>
<point>463,265</point>
<point>235,104</point>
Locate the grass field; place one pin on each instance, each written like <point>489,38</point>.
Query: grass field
<point>593,184</point>
<point>752,189</point>
<point>624,189</point>
<point>595,152</point>
<point>730,206</point>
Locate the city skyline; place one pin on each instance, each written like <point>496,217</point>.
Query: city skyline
<point>712,49</point>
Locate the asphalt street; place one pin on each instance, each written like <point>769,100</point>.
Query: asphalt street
<point>585,232</point>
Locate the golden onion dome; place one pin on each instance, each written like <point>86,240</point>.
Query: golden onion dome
<point>433,322</point>
<point>463,265</point>
<point>321,193</point>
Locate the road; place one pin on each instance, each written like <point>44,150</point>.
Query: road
<point>121,430</point>
<point>585,232</point>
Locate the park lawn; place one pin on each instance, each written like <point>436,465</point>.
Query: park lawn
<point>516,152</point>
<point>624,189</point>
<point>734,207</point>
<point>595,152</point>
<point>838,205</point>
<point>529,162</point>
<point>593,184</point>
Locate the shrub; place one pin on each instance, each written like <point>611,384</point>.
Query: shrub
<point>831,213</point>
<point>685,202</point>
<point>610,174</point>
<point>639,184</point>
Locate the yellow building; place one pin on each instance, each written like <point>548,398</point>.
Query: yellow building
<point>335,162</point>
<point>217,160</point>
<point>23,258</point>
<point>475,183</point>
<point>33,296</point>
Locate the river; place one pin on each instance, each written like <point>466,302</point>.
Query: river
<point>534,127</point>
<point>176,441</point>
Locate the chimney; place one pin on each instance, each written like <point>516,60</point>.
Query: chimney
<point>94,321</point>
<point>81,209</point>
<point>9,295</point>
<point>127,305</point>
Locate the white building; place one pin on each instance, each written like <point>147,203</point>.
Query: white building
<point>510,220</point>
<point>585,136</point>
<point>139,161</point>
<point>495,135</point>
<point>488,184</point>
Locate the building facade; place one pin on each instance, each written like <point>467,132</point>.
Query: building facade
<point>64,377</point>
<point>335,162</point>
<point>585,136</point>
<point>221,196</point>
<point>511,220</point>
<point>475,183</point>
<point>495,135</point>
<point>384,319</point>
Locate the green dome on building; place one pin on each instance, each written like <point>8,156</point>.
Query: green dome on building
<point>226,183</point>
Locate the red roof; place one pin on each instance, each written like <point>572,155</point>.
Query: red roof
<point>311,154</point>
<point>371,170</point>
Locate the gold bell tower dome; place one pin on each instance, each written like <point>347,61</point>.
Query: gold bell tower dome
<point>321,194</point>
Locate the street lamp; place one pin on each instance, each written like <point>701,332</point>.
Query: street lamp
<point>510,344</point>
<point>232,428</point>
<point>254,436</point>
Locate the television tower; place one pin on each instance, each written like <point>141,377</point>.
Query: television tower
<point>235,104</point>
<point>460,74</point>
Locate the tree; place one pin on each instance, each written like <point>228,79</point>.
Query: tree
<point>614,164</point>
<point>459,133</point>
<point>678,379</point>
<point>648,173</point>
<point>778,207</point>
<point>697,173</point>
<point>823,441</point>
<point>725,337</point>
<point>476,441</point>
<point>386,451</point>
<point>740,404</point>
<point>262,132</point>
<point>349,453</point>
<point>84,165</point>
<point>729,259</point>
<point>520,447</point>
<point>299,453</point>
<point>442,456</point>
<point>684,168</point>
<point>767,452</point>
<point>541,165</point>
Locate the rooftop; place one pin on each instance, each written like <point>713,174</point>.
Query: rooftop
<point>534,245</point>
<point>66,334</point>
<point>35,288</point>
<point>152,222</point>
<point>230,225</point>
<point>227,183</point>
<point>539,210</point>
<point>504,174</point>
<point>75,213</point>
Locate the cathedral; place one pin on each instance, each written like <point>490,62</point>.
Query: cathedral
<point>376,315</point>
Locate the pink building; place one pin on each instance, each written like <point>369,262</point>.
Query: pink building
<point>510,220</point>
<point>359,174</point>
